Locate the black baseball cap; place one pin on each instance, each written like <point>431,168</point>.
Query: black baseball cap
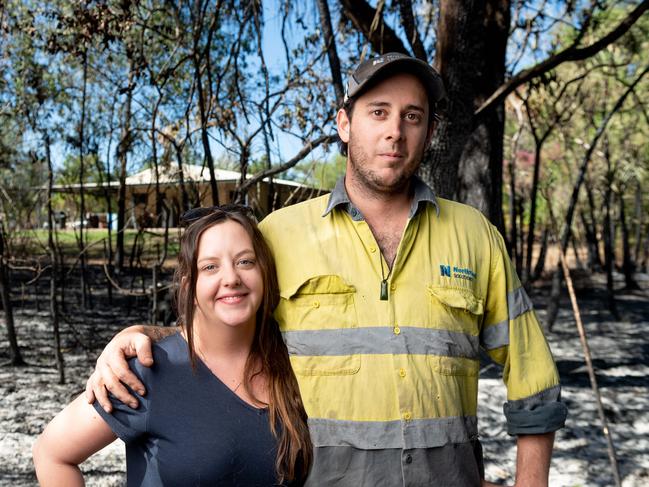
<point>395,62</point>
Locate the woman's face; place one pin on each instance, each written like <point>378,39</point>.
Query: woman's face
<point>229,286</point>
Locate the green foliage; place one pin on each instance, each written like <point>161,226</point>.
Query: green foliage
<point>321,174</point>
<point>568,104</point>
<point>34,242</point>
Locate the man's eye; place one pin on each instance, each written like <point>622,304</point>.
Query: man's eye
<point>378,113</point>
<point>413,117</point>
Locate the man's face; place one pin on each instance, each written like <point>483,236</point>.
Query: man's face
<point>387,134</point>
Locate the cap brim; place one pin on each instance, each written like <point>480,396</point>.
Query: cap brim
<point>430,79</point>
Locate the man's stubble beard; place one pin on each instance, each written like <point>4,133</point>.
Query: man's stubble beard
<point>371,182</point>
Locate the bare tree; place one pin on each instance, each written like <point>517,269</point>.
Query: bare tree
<point>54,271</point>
<point>553,302</point>
<point>5,295</point>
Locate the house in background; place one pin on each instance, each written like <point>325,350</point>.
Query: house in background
<point>191,186</point>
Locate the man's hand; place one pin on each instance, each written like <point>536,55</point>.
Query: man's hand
<point>112,371</point>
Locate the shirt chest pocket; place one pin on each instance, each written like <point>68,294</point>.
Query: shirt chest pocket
<point>455,309</point>
<point>318,320</point>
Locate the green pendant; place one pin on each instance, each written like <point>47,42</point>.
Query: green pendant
<point>384,290</point>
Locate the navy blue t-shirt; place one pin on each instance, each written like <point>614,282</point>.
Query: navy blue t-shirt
<point>191,429</point>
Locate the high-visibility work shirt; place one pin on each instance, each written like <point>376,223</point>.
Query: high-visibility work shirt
<point>390,385</point>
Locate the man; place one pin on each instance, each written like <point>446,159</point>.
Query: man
<point>387,294</point>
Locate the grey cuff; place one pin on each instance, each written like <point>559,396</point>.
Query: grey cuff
<point>535,415</point>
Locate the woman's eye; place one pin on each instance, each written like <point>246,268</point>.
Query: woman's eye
<point>210,267</point>
<point>246,263</point>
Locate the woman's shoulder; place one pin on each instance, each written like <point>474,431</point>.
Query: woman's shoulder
<point>169,351</point>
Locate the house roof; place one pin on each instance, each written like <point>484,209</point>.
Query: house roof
<point>191,172</point>
<point>171,175</point>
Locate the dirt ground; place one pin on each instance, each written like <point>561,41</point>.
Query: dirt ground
<point>30,395</point>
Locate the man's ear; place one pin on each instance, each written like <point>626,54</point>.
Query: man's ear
<point>343,123</point>
<point>431,131</point>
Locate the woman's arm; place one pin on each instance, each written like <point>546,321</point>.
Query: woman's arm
<point>71,437</point>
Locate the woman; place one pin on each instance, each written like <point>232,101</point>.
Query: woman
<point>223,406</point>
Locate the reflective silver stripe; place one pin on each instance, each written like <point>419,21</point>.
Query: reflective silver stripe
<point>381,340</point>
<point>373,435</point>
<point>518,302</point>
<point>495,336</point>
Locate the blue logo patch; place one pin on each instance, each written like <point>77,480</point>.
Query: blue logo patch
<point>446,270</point>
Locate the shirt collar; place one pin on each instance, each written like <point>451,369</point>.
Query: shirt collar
<point>422,193</point>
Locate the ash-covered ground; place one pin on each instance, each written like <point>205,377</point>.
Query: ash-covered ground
<point>30,395</point>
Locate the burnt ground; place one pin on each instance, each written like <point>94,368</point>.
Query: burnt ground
<point>30,395</point>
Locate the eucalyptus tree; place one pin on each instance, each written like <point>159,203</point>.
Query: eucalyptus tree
<point>484,51</point>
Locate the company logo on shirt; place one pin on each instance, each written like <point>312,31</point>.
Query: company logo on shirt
<point>447,270</point>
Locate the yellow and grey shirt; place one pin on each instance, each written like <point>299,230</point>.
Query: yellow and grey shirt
<point>390,385</point>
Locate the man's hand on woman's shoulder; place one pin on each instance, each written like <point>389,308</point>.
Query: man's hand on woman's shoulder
<point>112,373</point>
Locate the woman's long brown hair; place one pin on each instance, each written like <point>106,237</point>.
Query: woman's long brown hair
<point>268,354</point>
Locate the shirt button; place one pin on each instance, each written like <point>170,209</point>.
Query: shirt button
<point>407,416</point>
<point>372,249</point>
<point>393,287</point>
<point>397,330</point>
<point>316,304</point>
<point>402,372</point>
<point>408,458</point>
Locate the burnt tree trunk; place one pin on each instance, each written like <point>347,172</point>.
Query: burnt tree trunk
<point>465,160</point>
<point>609,256</point>
<point>529,247</point>
<point>108,243</point>
<point>513,227</point>
<point>122,156</point>
<point>16,357</point>
<point>154,159</point>
<point>645,258</point>
<point>628,266</point>
<point>540,262</point>
<point>54,307</point>
<point>512,246</point>
<point>203,110</point>
<point>82,205</point>
<point>596,262</point>
<point>518,243</point>
<point>593,262</point>
<point>639,221</point>
<point>332,52</point>
<point>575,249</point>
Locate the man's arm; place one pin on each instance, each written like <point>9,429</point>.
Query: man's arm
<point>112,371</point>
<point>532,461</point>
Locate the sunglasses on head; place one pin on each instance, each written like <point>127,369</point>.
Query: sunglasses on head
<point>190,216</point>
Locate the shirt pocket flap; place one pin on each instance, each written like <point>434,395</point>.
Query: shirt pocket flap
<point>320,303</point>
<point>327,284</point>
<point>456,366</point>
<point>458,298</point>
